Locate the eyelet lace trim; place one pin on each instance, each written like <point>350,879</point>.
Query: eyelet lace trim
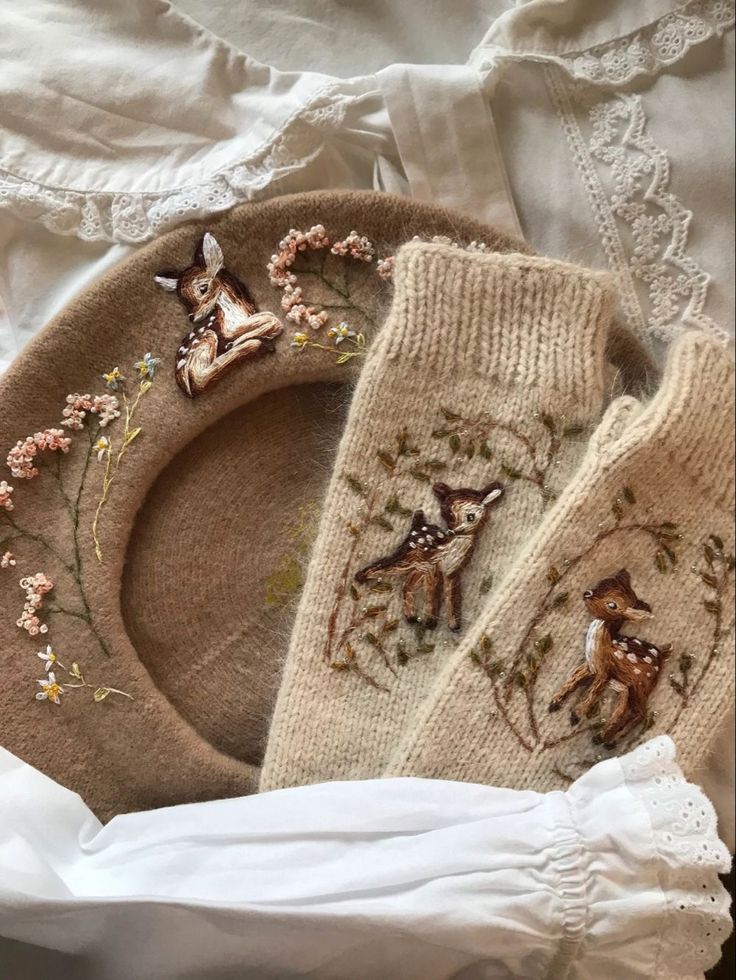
<point>134,218</point>
<point>653,48</point>
<point>691,856</point>
<point>645,51</point>
<point>642,225</point>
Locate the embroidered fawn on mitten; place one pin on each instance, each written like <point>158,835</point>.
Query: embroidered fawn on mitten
<point>465,423</point>
<point>617,620</point>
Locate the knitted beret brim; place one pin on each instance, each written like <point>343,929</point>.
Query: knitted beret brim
<point>179,594</point>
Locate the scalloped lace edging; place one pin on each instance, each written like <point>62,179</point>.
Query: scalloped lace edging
<point>649,50</point>
<point>645,51</point>
<point>138,217</point>
<point>691,856</point>
<point>642,225</point>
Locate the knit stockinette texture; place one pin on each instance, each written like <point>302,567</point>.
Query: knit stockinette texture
<point>655,495</point>
<point>486,375</point>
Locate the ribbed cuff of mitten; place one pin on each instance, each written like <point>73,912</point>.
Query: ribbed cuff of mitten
<point>521,322</point>
<point>688,415</point>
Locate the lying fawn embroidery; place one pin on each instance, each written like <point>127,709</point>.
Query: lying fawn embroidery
<point>227,328</point>
<point>430,559</point>
<point>625,664</point>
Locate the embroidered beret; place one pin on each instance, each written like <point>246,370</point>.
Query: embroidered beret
<point>169,437</point>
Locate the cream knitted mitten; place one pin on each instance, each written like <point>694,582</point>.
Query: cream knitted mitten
<point>618,618</point>
<point>466,420</point>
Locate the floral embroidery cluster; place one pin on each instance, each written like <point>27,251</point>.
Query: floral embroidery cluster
<point>23,460</point>
<point>284,274</point>
<point>35,587</point>
<point>145,371</point>
<point>105,407</point>
<point>52,690</point>
<point>6,493</point>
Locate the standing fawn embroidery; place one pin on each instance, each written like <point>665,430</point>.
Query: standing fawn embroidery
<point>431,559</point>
<point>629,666</point>
<point>227,328</point>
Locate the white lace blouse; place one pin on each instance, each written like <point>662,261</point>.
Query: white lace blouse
<point>602,130</point>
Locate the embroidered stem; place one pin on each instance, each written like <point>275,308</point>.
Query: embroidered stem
<point>112,467</point>
<point>716,576</point>
<point>39,539</point>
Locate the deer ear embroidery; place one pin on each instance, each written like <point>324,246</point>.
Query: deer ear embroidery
<point>227,327</point>
<point>214,260</point>
<point>614,661</point>
<point>430,560</point>
<point>492,492</point>
<point>167,281</point>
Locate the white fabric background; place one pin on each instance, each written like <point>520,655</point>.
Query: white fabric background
<point>153,106</point>
<point>397,878</point>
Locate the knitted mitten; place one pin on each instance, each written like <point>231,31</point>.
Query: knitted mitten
<point>618,618</point>
<point>466,420</point>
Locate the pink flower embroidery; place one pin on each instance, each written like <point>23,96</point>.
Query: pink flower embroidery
<point>35,586</point>
<point>7,560</point>
<point>310,315</point>
<point>356,246</point>
<point>385,267</point>
<point>5,494</point>
<point>21,457</point>
<point>289,248</point>
<point>77,406</point>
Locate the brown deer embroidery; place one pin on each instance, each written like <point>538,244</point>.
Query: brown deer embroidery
<point>629,666</point>
<point>430,560</point>
<point>227,329</point>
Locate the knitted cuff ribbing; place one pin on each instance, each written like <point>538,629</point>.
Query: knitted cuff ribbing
<point>521,322</point>
<point>687,415</point>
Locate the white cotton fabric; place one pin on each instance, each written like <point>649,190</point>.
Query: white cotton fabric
<point>157,119</point>
<point>615,878</point>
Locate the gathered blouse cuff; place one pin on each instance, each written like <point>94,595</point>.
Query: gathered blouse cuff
<point>615,877</point>
<point>637,863</point>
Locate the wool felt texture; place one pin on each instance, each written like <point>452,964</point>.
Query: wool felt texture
<point>207,523</point>
<point>469,418</point>
<point>654,497</point>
